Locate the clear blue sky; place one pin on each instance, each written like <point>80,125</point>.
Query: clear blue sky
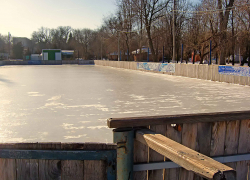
<point>22,17</point>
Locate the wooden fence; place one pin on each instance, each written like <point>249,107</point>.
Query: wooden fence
<point>200,71</point>
<point>57,161</point>
<point>226,135</point>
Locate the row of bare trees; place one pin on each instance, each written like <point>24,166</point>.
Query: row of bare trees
<point>149,23</point>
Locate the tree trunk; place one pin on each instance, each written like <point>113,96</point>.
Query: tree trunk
<point>224,16</point>
<point>150,42</point>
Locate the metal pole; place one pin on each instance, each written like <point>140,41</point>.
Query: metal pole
<point>127,55</point>
<point>193,57</point>
<point>118,57</point>
<point>163,54</point>
<point>148,55</point>
<point>233,43</point>
<point>177,60</point>
<point>124,137</point>
<point>101,48</point>
<point>9,43</point>
<point>210,53</point>
<point>181,53</point>
<point>216,58</point>
<point>173,31</point>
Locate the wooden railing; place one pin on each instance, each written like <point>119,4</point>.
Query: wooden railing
<point>224,137</point>
<point>174,147</point>
<point>65,161</point>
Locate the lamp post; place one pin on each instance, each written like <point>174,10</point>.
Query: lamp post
<point>118,53</point>
<point>9,35</point>
<point>174,31</point>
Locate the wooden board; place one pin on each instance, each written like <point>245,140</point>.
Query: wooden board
<point>7,166</point>
<point>242,167</point>
<point>182,155</point>
<point>178,119</point>
<point>204,131</point>
<point>189,135</point>
<point>26,168</point>
<point>232,140</point>
<point>140,156</point>
<point>173,133</point>
<point>34,169</point>
<point>94,169</point>
<point>49,169</point>
<point>218,138</point>
<point>154,156</point>
<point>203,139</point>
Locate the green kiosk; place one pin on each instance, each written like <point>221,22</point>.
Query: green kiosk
<point>51,54</point>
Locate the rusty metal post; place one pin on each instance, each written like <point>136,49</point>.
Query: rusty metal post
<point>124,137</point>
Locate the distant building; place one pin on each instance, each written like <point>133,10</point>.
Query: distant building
<point>67,54</point>
<point>113,56</point>
<point>35,57</point>
<point>143,55</point>
<point>51,54</point>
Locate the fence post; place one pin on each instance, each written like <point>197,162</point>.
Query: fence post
<point>124,137</point>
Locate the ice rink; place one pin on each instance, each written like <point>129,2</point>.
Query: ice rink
<point>70,103</point>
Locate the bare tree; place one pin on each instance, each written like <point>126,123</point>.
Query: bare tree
<point>150,11</point>
<point>225,8</point>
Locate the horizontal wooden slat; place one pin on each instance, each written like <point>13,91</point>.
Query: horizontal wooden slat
<point>58,146</point>
<point>58,154</point>
<point>183,156</point>
<point>177,119</point>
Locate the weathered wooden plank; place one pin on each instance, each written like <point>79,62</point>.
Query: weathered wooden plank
<point>140,156</point>
<point>182,155</point>
<point>174,133</point>
<point>34,172</point>
<point>242,168</point>
<point>244,138</point>
<point>232,140</point>
<point>26,169</point>
<point>7,166</point>
<point>94,169</point>
<point>178,119</point>
<point>204,131</point>
<point>232,137</point>
<point>23,169</point>
<point>155,156</point>
<point>189,135</point>
<point>218,138</point>
<point>8,169</point>
<point>72,169</point>
<point>49,169</point>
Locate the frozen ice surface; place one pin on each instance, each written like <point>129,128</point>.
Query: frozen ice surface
<point>71,103</point>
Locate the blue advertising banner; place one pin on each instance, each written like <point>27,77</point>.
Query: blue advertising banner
<point>162,67</point>
<point>35,62</point>
<point>232,70</point>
